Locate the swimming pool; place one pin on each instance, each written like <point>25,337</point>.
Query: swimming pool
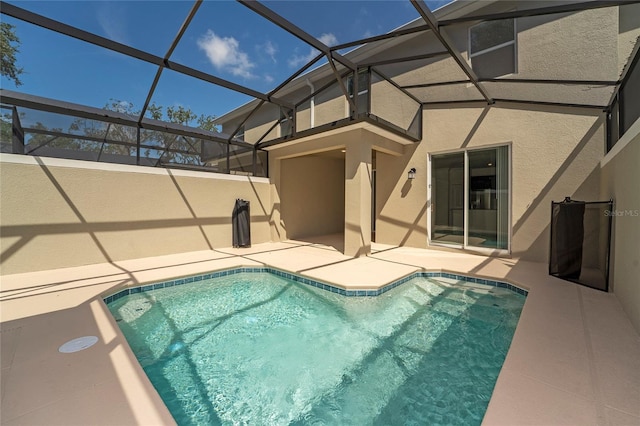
<point>257,348</point>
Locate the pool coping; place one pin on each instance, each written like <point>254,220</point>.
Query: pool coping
<point>326,286</point>
<point>573,358</point>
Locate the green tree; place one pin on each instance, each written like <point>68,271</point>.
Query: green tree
<point>207,122</point>
<point>39,141</point>
<point>5,131</point>
<point>157,145</point>
<point>9,43</point>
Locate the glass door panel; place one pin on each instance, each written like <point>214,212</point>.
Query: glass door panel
<point>470,198</point>
<point>447,199</point>
<point>488,208</point>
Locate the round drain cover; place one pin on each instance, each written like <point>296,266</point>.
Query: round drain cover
<point>78,344</point>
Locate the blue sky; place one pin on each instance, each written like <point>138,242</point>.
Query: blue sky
<point>225,39</point>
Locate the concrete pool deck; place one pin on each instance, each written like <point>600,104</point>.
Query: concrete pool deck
<point>574,359</point>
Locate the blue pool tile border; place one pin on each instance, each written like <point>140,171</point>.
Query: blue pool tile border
<point>312,282</point>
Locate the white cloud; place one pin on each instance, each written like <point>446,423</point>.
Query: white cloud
<point>296,60</point>
<point>225,54</point>
<point>112,21</point>
<point>271,50</point>
<point>328,39</point>
<point>268,78</point>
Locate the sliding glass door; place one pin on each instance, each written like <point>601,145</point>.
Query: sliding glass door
<point>470,198</point>
<point>447,198</point>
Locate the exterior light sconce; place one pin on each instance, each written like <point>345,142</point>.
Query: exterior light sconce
<point>412,173</point>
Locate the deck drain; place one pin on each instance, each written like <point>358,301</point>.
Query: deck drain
<point>79,344</point>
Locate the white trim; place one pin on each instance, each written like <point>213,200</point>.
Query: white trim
<point>485,251</point>
<point>430,242</point>
<point>510,203</point>
<point>490,49</point>
<point>628,136</point>
<point>448,245</point>
<point>121,168</point>
<point>465,202</point>
<point>429,199</point>
<point>475,148</point>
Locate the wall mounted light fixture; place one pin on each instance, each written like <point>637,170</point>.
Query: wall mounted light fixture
<point>412,173</point>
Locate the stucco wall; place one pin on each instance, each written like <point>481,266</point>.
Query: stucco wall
<point>620,177</point>
<point>548,40</point>
<point>629,31</point>
<point>390,104</point>
<point>575,46</point>
<point>555,153</point>
<point>587,45</point>
<point>330,106</point>
<point>303,117</point>
<point>312,195</point>
<point>64,213</point>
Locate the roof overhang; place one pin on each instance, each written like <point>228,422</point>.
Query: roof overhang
<point>329,140</point>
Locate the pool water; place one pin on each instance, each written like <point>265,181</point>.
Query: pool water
<point>256,348</point>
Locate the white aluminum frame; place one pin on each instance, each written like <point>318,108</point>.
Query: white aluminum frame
<point>465,245</point>
<point>499,46</point>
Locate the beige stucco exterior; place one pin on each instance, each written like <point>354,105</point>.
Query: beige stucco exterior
<point>390,104</point>
<point>554,150</point>
<point>573,358</point>
<point>258,125</point>
<point>322,183</point>
<point>330,106</point>
<point>64,213</point>
<point>620,175</point>
<point>628,16</point>
<point>554,153</point>
<point>358,184</point>
<point>316,183</point>
<point>307,169</point>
